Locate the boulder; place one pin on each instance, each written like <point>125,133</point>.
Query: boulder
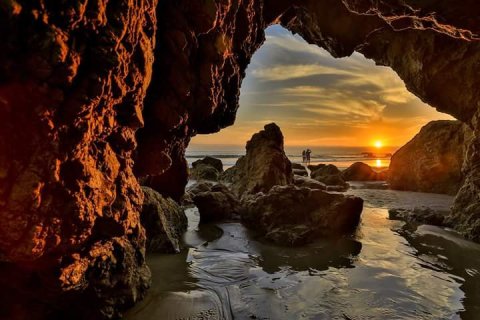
<point>302,173</point>
<point>310,183</point>
<point>297,166</point>
<point>216,204</point>
<point>299,170</point>
<point>432,160</point>
<point>265,164</point>
<point>207,168</point>
<point>191,191</point>
<point>164,221</point>
<point>233,174</point>
<point>360,171</point>
<point>291,215</point>
<point>422,215</point>
<point>209,161</point>
<point>329,175</point>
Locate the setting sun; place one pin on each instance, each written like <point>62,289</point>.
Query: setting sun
<point>378,144</point>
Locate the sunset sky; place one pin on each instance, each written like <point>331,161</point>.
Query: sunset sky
<point>318,100</point>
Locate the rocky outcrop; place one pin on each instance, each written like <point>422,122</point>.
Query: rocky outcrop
<point>329,175</point>
<point>299,170</point>
<point>360,171</point>
<point>208,168</point>
<point>73,79</point>
<point>209,161</point>
<point>432,161</point>
<point>290,215</point>
<point>76,74</point>
<point>310,183</point>
<point>420,215</point>
<point>216,204</point>
<point>265,164</point>
<point>164,221</point>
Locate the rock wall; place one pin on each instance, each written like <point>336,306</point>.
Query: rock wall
<point>75,76</point>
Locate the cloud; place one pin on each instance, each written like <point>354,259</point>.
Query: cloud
<point>286,72</point>
<point>318,99</point>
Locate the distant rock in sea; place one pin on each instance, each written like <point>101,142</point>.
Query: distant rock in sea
<point>432,161</point>
<point>360,171</point>
<point>208,168</point>
<point>330,175</point>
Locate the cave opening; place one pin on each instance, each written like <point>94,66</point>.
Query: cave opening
<point>340,107</point>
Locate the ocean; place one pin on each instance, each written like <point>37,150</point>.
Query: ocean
<point>342,157</point>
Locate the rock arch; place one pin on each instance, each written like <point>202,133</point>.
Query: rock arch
<point>74,79</point>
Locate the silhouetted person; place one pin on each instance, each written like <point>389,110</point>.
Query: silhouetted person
<point>308,154</point>
<point>304,156</point>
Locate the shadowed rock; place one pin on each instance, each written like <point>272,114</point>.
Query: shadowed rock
<point>265,164</point>
<point>209,161</point>
<point>329,175</point>
<point>216,204</point>
<point>164,221</point>
<point>207,168</point>
<point>290,215</point>
<point>360,171</point>
<point>299,170</point>
<point>432,161</point>
<point>310,183</point>
<point>419,215</point>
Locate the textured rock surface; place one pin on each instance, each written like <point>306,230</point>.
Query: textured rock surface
<point>216,204</point>
<point>207,168</point>
<point>265,164</point>
<point>360,171</point>
<point>329,175</point>
<point>291,215</point>
<point>76,74</point>
<point>432,161</point>
<point>306,182</point>
<point>164,221</point>
<point>209,161</point>
<point>73,78</point>
<point>419,216</point>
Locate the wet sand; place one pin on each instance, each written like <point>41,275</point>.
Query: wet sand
<point>386,270</point>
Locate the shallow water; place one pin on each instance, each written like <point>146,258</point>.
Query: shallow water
<point>387,270</point>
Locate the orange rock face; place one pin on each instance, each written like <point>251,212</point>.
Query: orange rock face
<point>79,78</point>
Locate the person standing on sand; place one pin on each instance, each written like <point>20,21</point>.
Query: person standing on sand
<point>308,154</point>
<point>304,156</point>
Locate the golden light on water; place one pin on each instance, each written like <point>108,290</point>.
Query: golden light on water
<point>379,163</point>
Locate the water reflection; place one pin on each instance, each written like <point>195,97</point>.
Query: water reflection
<point>387,270</point>
<point>458,260</point>
<point>336,253</point>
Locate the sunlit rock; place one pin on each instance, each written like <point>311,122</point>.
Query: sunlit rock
<point>265,164</point>
<point>432,161</point>
<point>360,171</point>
